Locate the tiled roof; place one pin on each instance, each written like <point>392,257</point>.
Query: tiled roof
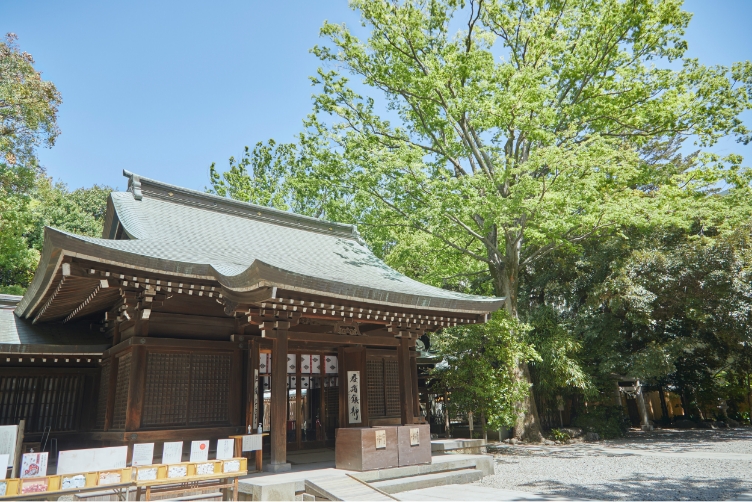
<point>241,245</point>
<point>20,336</point>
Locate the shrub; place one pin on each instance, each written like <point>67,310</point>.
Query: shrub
<point>607,421</point>
<point>558,435</point>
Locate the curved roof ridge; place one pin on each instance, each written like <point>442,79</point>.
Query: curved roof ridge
<point>140,186</point>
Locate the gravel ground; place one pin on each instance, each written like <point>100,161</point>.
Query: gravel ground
<point>658,465</point>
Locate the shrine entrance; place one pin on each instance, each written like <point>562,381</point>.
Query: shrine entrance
<point>312,398</point>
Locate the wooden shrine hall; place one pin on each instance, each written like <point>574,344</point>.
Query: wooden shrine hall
<point>199,317</point>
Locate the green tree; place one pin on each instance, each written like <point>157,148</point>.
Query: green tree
<point>28,119</point>
<point>28,106</point>
<point>507,131</point>
<point>79,211</point>
<point>667,305</point>
<point>478,368</point>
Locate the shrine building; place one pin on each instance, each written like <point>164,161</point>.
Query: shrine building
<point>198,317</point>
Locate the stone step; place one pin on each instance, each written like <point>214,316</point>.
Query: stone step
<point>444,463</point>
<point>397,485</point>
<point>343,488</point>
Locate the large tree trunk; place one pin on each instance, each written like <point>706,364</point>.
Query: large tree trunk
<point>506,283</point>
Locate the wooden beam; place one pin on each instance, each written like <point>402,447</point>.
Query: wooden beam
<point>329,338</point>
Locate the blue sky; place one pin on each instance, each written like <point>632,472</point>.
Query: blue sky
<point>165,88</point>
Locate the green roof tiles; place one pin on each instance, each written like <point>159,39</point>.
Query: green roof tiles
<point>191,233</point>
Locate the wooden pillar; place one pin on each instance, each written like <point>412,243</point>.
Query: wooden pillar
<point>342,387</point>
<point>324,394</point>
<point>111,387</point>
<point>405,381</point>
<point>416,392</point>
<point>252,413</point>
<point>298,402</point>
<point>277,331</point>
<point>136,389</point>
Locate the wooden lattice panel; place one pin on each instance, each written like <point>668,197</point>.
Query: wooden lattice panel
<point>121,392</point>
<point>59,396</point>
<point>166,393</point>
<point>375,373</point>
<point>42,400</point>
<point>391,388</point>
<point>210,389</point>
<point>332,408</point>
<point>104,383</point>
<point>17,398</point>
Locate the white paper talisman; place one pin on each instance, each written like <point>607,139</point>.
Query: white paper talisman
<point>225,449</point>
<point>172,453</point>
<point>231,466</point>
<point>34,465</point>
<point>8,434</point>
<point>204,469</point>
<point>92,459</point>
<point>143,454</point>
<point>75,481</point>
<point>146,474</point>
<point>252,442</point>
<point>109,478</point>
<point>199,451</point>
<point>177,471</point>
<point>3,463</point>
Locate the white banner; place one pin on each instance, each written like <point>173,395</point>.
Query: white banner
<point>353,397</point>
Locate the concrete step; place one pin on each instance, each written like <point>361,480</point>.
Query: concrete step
<point>343,488</point>
<point>397,485</point>
<point>442,463</point>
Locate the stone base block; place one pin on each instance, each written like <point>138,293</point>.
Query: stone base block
<point>277,467</point>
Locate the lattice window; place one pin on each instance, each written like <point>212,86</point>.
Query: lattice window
<point>166,393</point>
<point>42,400</point>
<point>375,370</point>
<point>17,398</point>
<point>104,384</point>
<point>391,388</point>
<point>332,409</point>
<point>210,388</point>
<point>59,396</point>
<point>121,392</point>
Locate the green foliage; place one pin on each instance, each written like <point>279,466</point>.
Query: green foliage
<point>479,368</point>
<point>28,106</point>
<point>12,290</point>
<point>558,435</point>
<point>39,203</point>
<point>496,141</point>
<point>608,422</point>
<point>28,115</point>
<point>80,211</point>
<point>17,259</point>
